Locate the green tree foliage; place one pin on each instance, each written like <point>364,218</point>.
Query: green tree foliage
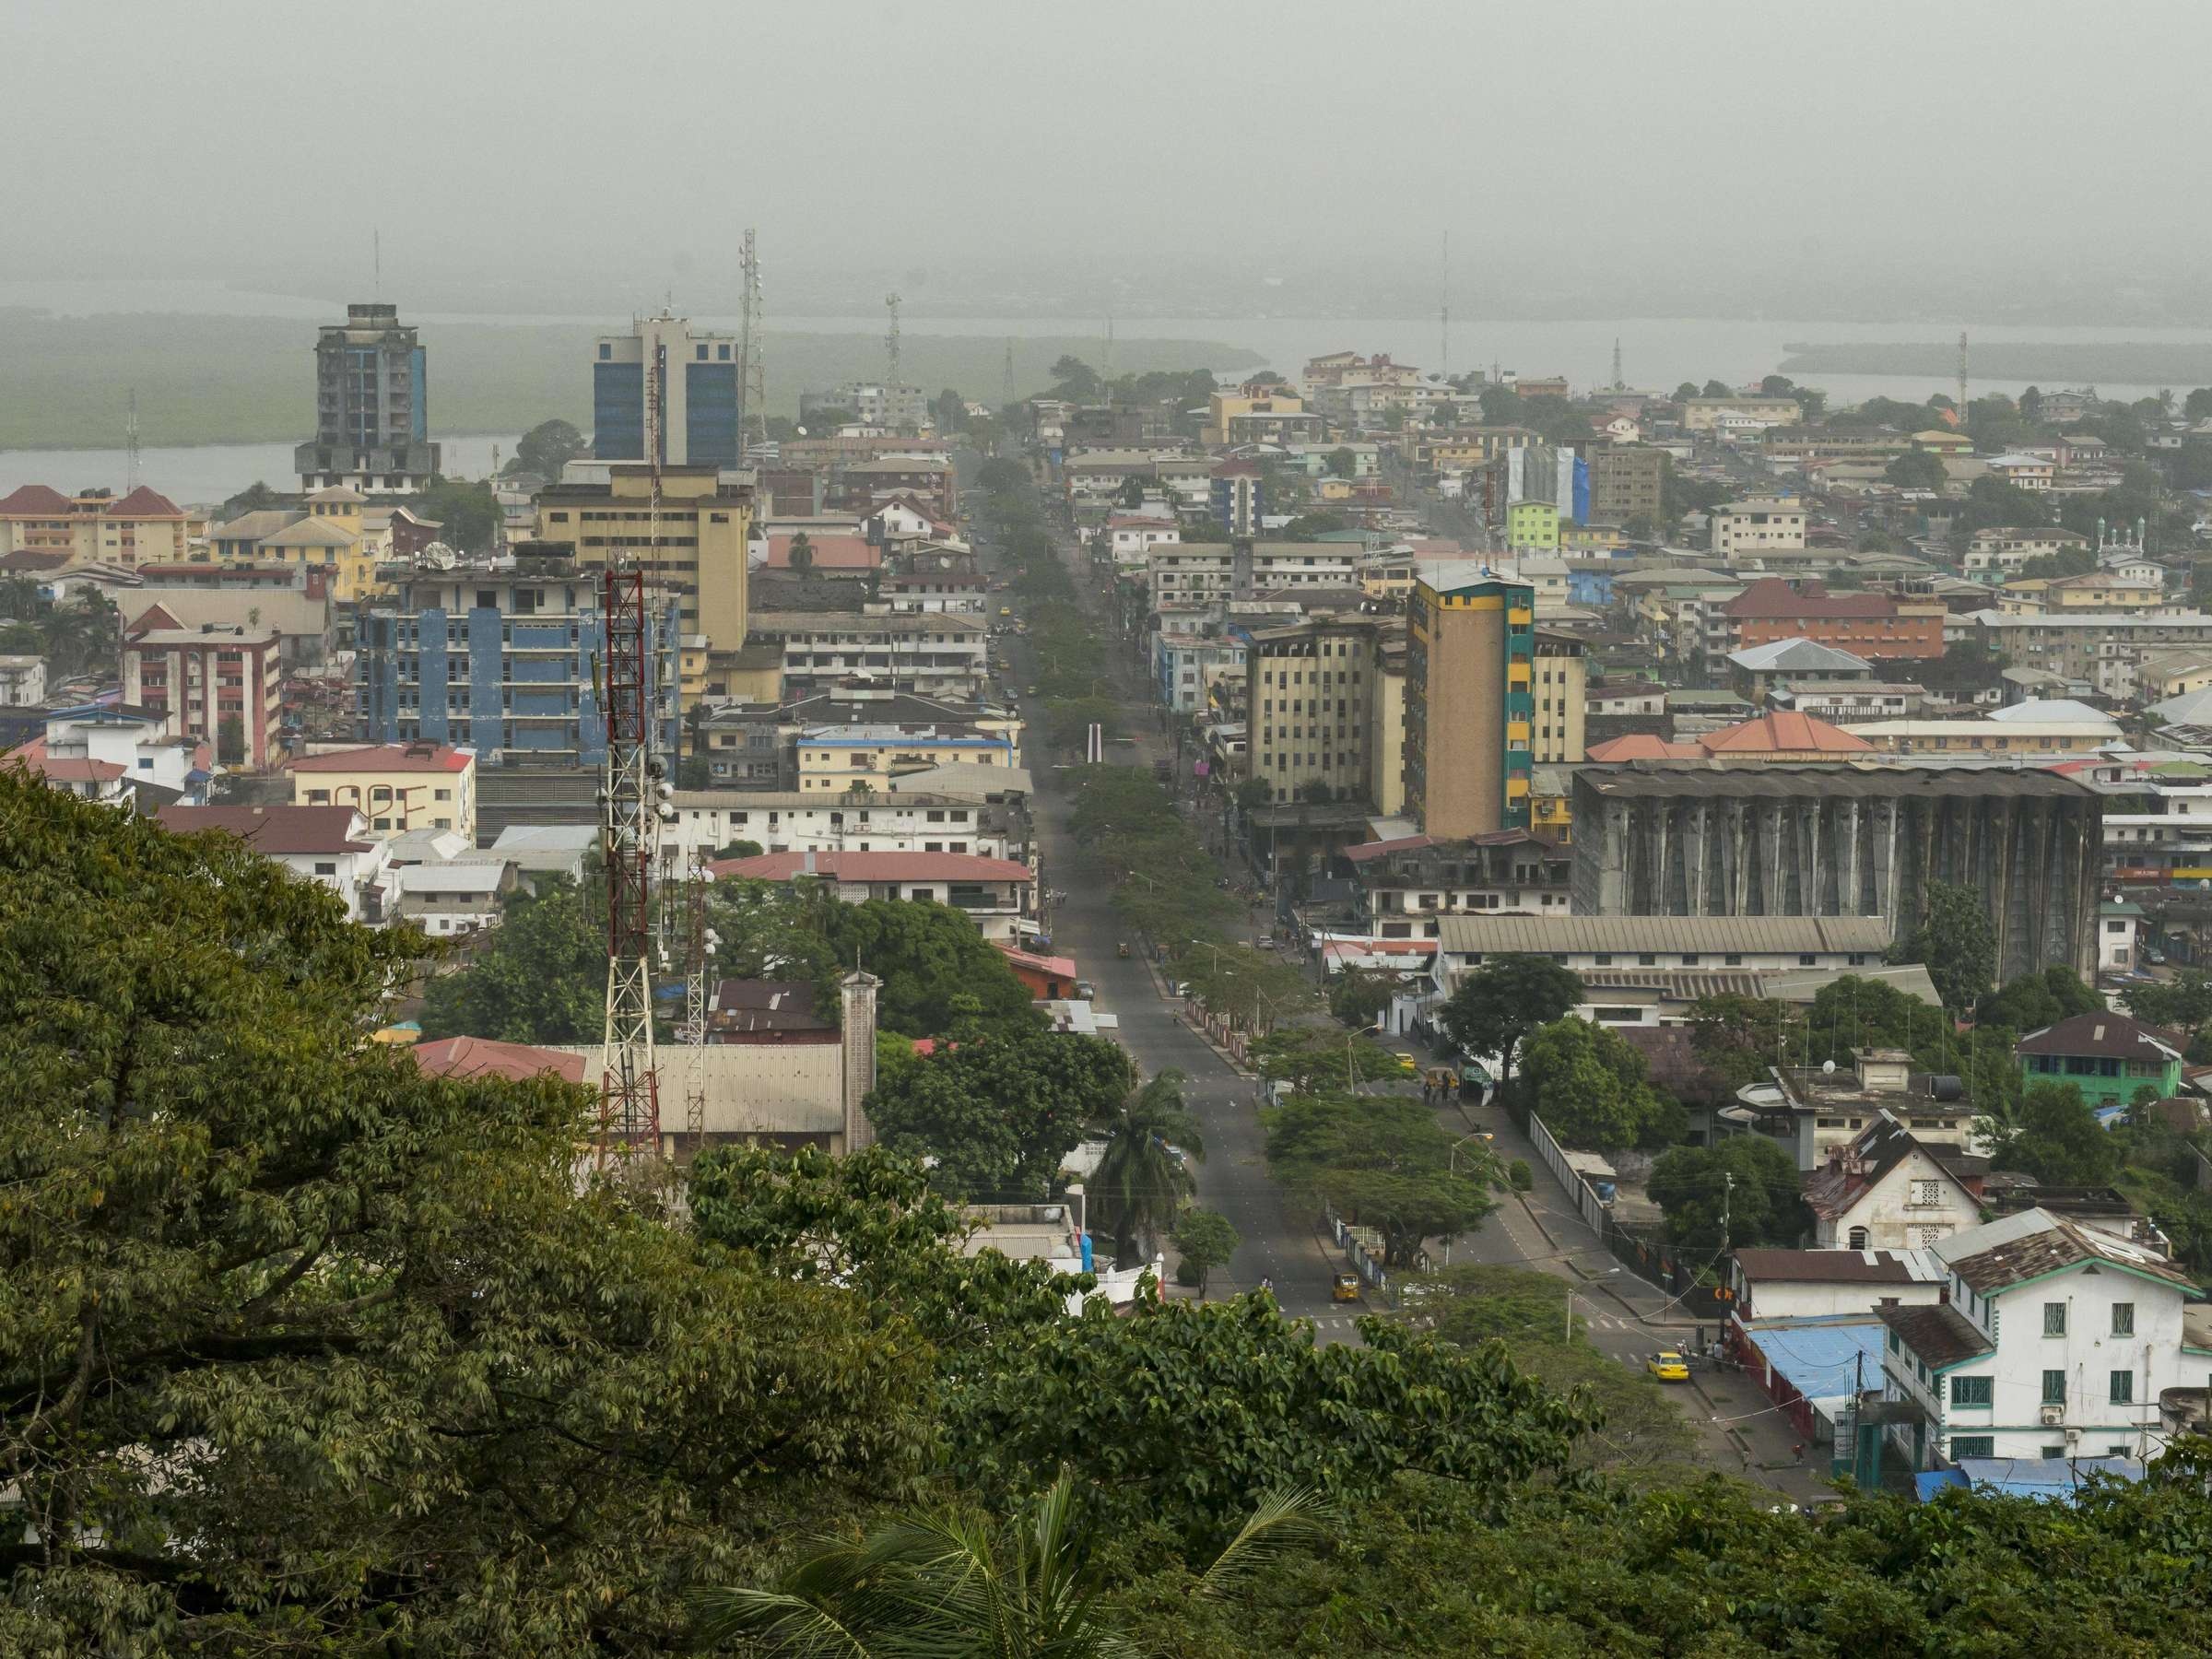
<point>1739,1038</point>
<point>1074,381</point>
<point>1249,1403</point>
<point>949,411</point>
<point>829,419</point>
<point>1383,1162</point>
<point>1693,1186</point>
<point>1915,469</point>
<point>998,1113</point>
<point>1991,503</point>
<point>1313,1059</point>
<point>1528,1311</point>
<point>304,1349</point>
<point>1342,464</point>
<point>1358,995</point>
<point>872,1223</point>
<point>1718,1568</point>
<point>2058,1140</point>
<point>1588,1086</point>
<point>1144,1174</point>
<point>542,979</point>
<point>545,447</point>
<point>1203,1240</point>
<point>257,497</point>
<point>1956,941</point>
<point>2180,1003</point>
<point>1499,1003</point>
<point>801,554</point>
<point>2036,1000</point>
<point>1853,1013</point>
<point>467,512</point>
<point>930,958</point>
<point>952,1582</point>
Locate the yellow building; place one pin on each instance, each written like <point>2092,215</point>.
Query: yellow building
<point>701,551</point>
<point>832,759</point>
<point>1386,726</point>
<point>1533,526</point>
<point>1469,701</point>
<point>396,786</point>
<point>1462,447</point>
<point>1224,406</point>
<point>1561,685</point>
<point>142,527</point>
<point>1550,811</point>
<point>331,533</point>
<point>1591,538</point>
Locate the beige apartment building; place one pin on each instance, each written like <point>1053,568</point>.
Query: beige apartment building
<point>698,552</point>
<point>1704,414</point>
<point>1387,724</point>
<point>1561,688</point>
<point>1763,525</point>
<point>1470,700</point>
<point>142,527</point>
<point>1308,688</point>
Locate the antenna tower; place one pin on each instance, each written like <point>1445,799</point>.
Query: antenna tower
<point>890,340</point>
<point>1619,385</point>
<point>752,396</point>
<point>632,793</point>
<point>698,945</point>
<point>1006,396</point>
<point>1443,313</point>
<point>1962,377</point>
<point>130,434</point>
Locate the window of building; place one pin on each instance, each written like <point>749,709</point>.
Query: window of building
<point>327,867</point>
<point>1858,1241</point>
<point>2124,1388</point>
<point>2123,1319</point>
<point>2055,1319</point>
<point>1647,959</point>
<point>1973,1445</point>
<point>2054,1388</point>
<point>1972,1390</point>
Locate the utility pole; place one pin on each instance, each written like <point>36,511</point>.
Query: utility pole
<point>698,945</point>
<point>752,396</point>
<point>1443,313</point>
<point>890,341</point>
<point>1962,380</point>
<point>131,442</point>
<point>1567,1335</point>
<point>1727,1206</point>
<point>1005,391</point>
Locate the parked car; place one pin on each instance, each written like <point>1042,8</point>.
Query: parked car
<point>1668,1367</point>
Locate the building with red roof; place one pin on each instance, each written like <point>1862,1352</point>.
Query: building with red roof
<point>330,844</point>
<point>1867,624</point>
<point>850,555</point>
<point>481,1057</point>
<point>993,892</point>
<point>1049,978</point>
<point>126,531</point>
<point>1781,735</point>
<point>396,786</point>
<point>223,684</point>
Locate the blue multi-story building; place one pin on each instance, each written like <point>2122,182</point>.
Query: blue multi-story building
<point>505,658</point>
<point>697,377</point>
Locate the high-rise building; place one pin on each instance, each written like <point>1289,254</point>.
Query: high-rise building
<point>1469,705</point>
<point>372,407</point>
<point>1626,481</point>
<point>502,658</point>
<point>696,375</point>
<point>1561,688</point>
<point>704,524</point>
<point>1306,691</point>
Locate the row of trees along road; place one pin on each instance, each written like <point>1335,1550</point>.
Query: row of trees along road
<point>302,1350</point>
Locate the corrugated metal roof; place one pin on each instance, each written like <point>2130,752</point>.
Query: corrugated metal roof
<point>1672,935</point>
<point>1822,1359</point>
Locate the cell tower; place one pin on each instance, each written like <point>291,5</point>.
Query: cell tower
<point>1619,385</point>
<point>752,395</point>
<point>890,340</point>
<point>699,947</point>
<point>1443,313</point>
<point>130,435</point>
<point>632,794</point>
<point>1006,396</point>
<point>1963,377</point>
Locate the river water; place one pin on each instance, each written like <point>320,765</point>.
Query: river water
<point>1656,352</point>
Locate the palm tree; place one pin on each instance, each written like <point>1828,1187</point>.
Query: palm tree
<point>1145,1174</point>
<point>937,1586</point>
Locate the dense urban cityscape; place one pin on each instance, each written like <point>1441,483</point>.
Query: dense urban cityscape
<point>1147,1000</point>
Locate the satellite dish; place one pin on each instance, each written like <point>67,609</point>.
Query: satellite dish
<point>1828,1068</point>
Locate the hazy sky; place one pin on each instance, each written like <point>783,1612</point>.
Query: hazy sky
<point>555,154</point>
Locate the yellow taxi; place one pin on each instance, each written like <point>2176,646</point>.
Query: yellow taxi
<point>1668,1367</point>
<point>1345,1288</point>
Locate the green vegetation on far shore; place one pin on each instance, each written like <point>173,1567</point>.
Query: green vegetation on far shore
<point>251,380</point>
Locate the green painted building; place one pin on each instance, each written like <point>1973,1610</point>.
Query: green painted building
<point>2107,1056</point>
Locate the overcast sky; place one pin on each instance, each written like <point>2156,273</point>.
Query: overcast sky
<point>558,155</point>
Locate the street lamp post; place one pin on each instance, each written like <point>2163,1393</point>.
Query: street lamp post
<point>1451,1164</point>
<point>1569,1332</point>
